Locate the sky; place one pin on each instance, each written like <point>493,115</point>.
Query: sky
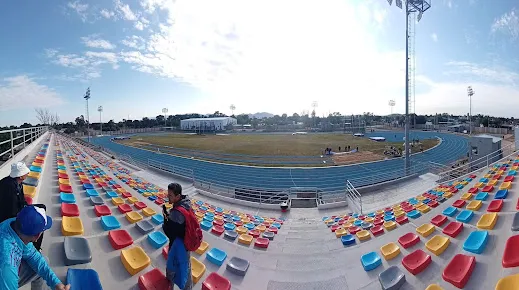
<point>348,56</point>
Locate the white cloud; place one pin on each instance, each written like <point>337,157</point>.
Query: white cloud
<point>19,91</point>
<point>139,25</point>
<point>135,42</point>
<point>507,24</point>
<point>107,14</point>
<point>434,37</point>
<point>485,73</point>
<point>95,42</point>
<point>84,67</point>
<point>125,11</point>
<point>79,8</point>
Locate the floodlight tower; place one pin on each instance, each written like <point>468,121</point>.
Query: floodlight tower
<point>470,93</point>
<point>100,110</point>
<point>165,112</point>
<point>411,7</point>
<point>87,97</point>
<point>314,105</point>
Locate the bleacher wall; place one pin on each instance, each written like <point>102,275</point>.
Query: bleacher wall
<point>5,168</point>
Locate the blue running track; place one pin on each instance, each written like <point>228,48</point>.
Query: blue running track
<point>333,178</point>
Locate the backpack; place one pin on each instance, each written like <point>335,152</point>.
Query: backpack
<point>193,236</point>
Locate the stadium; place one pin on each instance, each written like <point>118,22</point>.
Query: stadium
<point>360,202</point>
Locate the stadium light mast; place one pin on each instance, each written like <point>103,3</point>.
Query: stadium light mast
<point>165,112</point>
<point>100,110</point>
<point>411,7</point>
<point>87,97</point>
<point>470,93</point>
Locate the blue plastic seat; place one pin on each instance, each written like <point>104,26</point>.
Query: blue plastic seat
<point>152,198</point>
<point>450,211</point>
<point>211,214</point>
<point>110,194</point>
<point>501,194</point>
<point>67,197</point>
<point>372,214</point>
<point>389,218</point>
<point>83,279</point>
<point>35,169</point>
<point>236,218</point>
<point>91,192</point>
<point>465,216</point>
<point>250,226</point>
<point>278,225</point>
<point>216,256</point>
<point>481,196</point>
<point>413,201</point>
<point>468,179</point>
<point>355,215</point>
<point>348,240</point>
<point>199,202</point>
<point>476,242</point>
<point>414,214</point>
<point>62,167</point>
<point>109,222</point>
<point>205,225</point>
<point>158,219</point>
<point>87,186</point>
<point>484,180</point>
<point>157,239</point>
<point>208,218</point>
<point>370,261</point>
<point>357,223</point>
<point>229,226</point>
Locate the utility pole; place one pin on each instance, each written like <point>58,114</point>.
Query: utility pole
<point>470,93</point>
<point>100,110</point>
<point>87,97</point>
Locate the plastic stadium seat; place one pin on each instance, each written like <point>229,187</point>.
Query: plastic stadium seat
<point>378,230</point>
<point>505,185</point>
<point>153,280</point>
<point>459,203</point>
<point>148,211</point>
<point>117,201</point>
<point>425,230</point>
<point>157,239</point>
<point>370,261</point>
<point>124,208</point>
<point>83,279</point>
<point>216,256</point>
<point>459,269</point>
<point>216,282</point>
<point>348,240</point>
<point>35,168</point>
<point>501,194</point>
<point>111,194</point>
<point>487,221</point>
<point>31,181</point>
<point>206,225</point>
<point>120,239</point>
<point>408,240</point>
<point>140,205</point>
<point>453,229</point>
<point>102,210</point>
<point>217,230</point>
<point>132,199</point>
<point>28,199</point>
<point>363,235</point>
<point>238,266</point>
<point>508,283</point>
<point>438,244</point>
<point>133,217</point>
<point>481,196</point>
<point>261,243</point>
<point>417,261</point>
<point>465,216</point>
<point>232,235</point>
<point>134,260</point>
<point>71,226</point>
<point>203,247</point>
<point>109,223</point>
<point>509,178</point>
<point>31,190</point>
<point>34,174</point>
<point>392,278</point>
<point>488,188</point>
<point>474,205</point>
<point>439,220</point>
<point>96,200</point>
<point>353,229</point>
<point>158,219</point>
<point>450,211</point>
<point>69,209</point>
<point>390,225</point>
<point>145,227</point>
<point>63,181</point>
<point>434,287</point>
<point>245,239</point>
<point>515,222</point>
<point>511,255</point>
<point>197,269</point>
<point>77,251</point>
<point>67,197</point>
<point>87,186</point>
<point>390,251</point>
<point>476,242</point>
<point>402,220</point>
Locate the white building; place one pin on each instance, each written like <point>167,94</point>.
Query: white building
<point>207,124</point>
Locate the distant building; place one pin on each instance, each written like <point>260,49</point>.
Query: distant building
<point>207,124</point>
<point>485,149</point>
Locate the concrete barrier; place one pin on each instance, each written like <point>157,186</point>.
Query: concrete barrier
<point>5,168</point>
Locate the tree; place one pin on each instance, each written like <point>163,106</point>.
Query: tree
<point>44,116</point>
<point>232,107</point>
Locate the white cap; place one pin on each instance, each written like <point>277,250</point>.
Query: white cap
<point>18,169</point>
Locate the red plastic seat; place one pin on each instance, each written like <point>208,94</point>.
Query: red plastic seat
<point>101,210</point>
<point>119,239</point>
<point>438,220</point>
<point>509,178</point>
<point>124,208</point>
<point>378,222</point>
<point>472,176</point>
<point>495,206</point>
<point>159,201</point>
<point>334,228</point>
<point>408,240</point>
<point>473,190</point>
<point>459,203</point>
<point>361,217</point>
<point>65,188</point>
<point>402,220</point>
<point>63,175</point>
<point>417,261</point>
<point>517,205</point>
<point>85,180</point>
<point>408,209</point>
<point>273,229</point>
<point>459,269</point>
<point>354,229</point>
<point>488,188</point>
<point>165,252</point>
<point>377,230</point>
<point>102,184</point>
<point>254,233</point>
<point>153,280</point>
<point>238,223</point>
<point>218,222</point>
<point>497,176</point>
<point>116,186</point>
<point>28,199</point>
<point>126,194</point>
<point>261,243</point>
<point>216,282</point>
<point>453,229</point>
<point>140,205</point>
<point>433,203</point>
<point>218,230</point>
<point>511,254</point>
<point>69,209</point>
<point>453,190</point>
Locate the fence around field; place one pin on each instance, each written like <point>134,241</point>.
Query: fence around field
<point>14,140</point>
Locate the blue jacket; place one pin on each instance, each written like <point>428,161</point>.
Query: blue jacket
<point>12,251</point>
<point>178,263</point>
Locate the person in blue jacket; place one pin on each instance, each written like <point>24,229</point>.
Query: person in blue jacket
<point>20,262</point>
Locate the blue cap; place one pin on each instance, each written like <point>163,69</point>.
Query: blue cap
<point>32,221</point>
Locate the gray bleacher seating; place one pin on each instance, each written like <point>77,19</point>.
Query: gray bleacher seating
<point>31,181</point>
<point>268,235</point>
<point>392,278</point>
<point>515,222</point>
<point>145,226</point>
<point>230,235</point>
<point>96,200</point>
<point>77,251</point>
<point>238,266</point>
<point>440,199</point>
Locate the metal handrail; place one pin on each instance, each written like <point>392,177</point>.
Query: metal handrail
<point>20,137</point>
<point>354,196</point>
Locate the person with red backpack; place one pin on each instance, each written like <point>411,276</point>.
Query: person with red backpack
<point>185,235</point>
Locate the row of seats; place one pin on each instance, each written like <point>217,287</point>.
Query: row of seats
<point>31,182</point>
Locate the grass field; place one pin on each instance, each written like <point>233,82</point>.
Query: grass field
<point>275,144</point>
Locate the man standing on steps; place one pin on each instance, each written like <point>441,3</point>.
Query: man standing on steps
<point>12,198</point>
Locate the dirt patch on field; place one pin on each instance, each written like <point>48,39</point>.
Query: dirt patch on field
<point>352,158</point>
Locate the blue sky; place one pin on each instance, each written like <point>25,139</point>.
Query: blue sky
<point>277,56</point>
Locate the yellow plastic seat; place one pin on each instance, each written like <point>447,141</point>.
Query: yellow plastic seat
<point>203,247</point>
<point>117,201</point>
<point>420,197</point>
<point>218,217</point>
<point>425,230</point>
<point>226,211</point>
<point>199,214</point>
<point>515,168</point>
<point>508,283</point>
<point>487,221</point>
<point>438,244</point>
<point>424,208</point>
<point>493,182</point>
<point>466,196</point>
<point>340,232</point>
<point>241,230</point>
<point>211,210</point>
<point>464,182</point>
<point>447,194</point>
<point>63,181</point>
<point>132,199</point>
<point>434,287</point>
<point>261,228</point>
<point>39,164</point>
<point>146,194</point>
<point>62,171</point>
<point>500,172</point>
<point>148,211</point>
<point>363,235</point>
<point>369,220</point>
<point>347,225</point>
<point>380,211</point>
<point>474,205</point>
<point>245,220</point>
<point>390,225</point>
<point>396,207</point>
<point>197,269</point>
<point>390,251</point>
<point>121,190</point>
<point>352,220</point>
<point>168,205</point>
<point>34,175</point>
<point>245,239</point>
<point>134,260</point>
<point>71,226</point>
<point>506,185</point>
<point>488,176</point>
<point>29,191</point>
<point>418,204</point>
<point>133,217</point>
<point>479,185</point>
<point>399,213</point>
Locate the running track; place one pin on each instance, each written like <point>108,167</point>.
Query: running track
<point>333,178</point>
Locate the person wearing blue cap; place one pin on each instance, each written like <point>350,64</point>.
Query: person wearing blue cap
<point>20,262</point>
